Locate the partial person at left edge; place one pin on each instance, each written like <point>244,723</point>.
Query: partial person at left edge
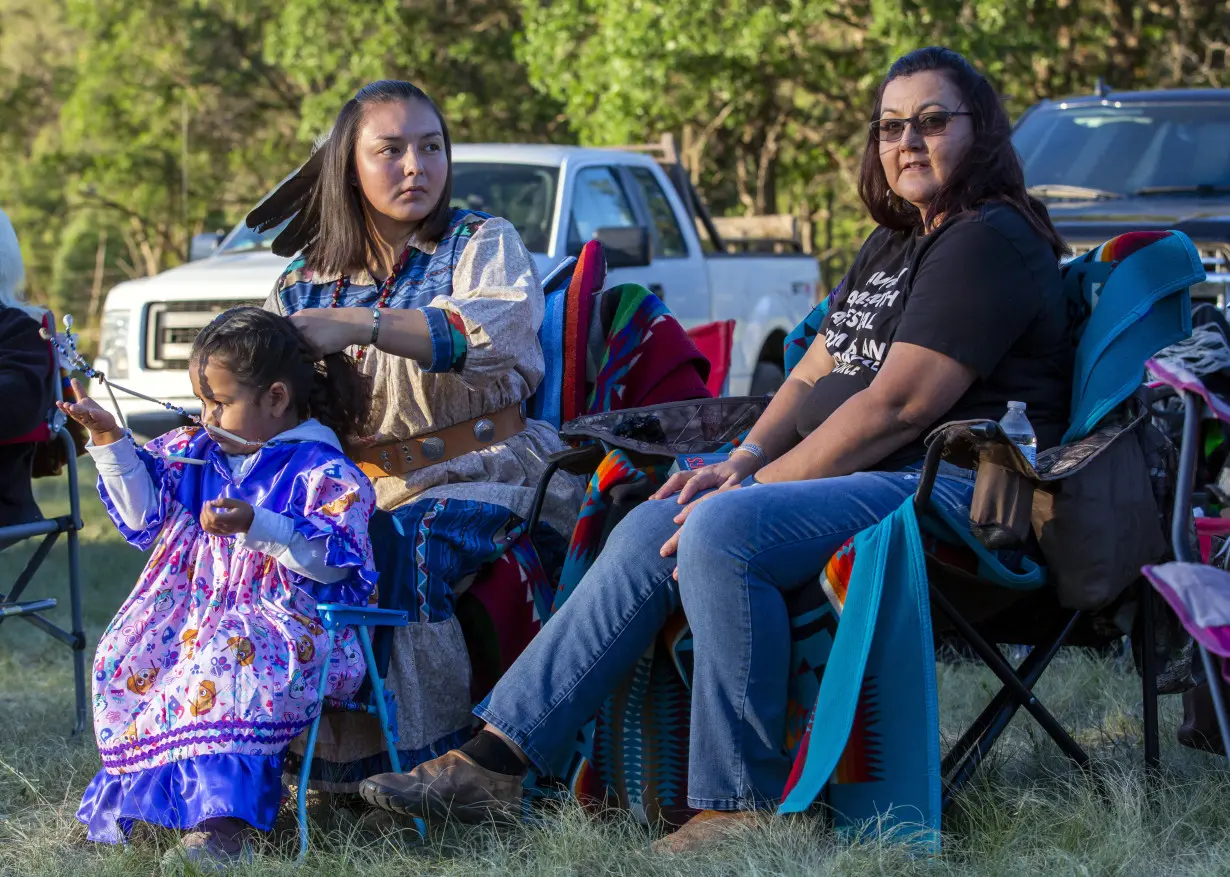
<point>24,384</point>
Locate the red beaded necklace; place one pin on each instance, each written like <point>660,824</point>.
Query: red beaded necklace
<point>386,289</point>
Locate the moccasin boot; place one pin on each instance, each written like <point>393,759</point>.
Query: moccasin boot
<point>453,785</point>
<point>705,830</point>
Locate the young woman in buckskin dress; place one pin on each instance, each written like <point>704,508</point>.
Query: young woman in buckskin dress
<point>442,306</point>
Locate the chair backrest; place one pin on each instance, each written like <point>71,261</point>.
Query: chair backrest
<point>716,341</point>
<point>43,432</point>
<point>569,292</point>
<point>1126,300</point>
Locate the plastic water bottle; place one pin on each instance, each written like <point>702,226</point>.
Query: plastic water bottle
<point>1018,428</point>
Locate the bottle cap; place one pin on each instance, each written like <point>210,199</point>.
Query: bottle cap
<point>1016,406</point>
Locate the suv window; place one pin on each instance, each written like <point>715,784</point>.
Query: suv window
<point>1127,148</point>
<point>598,201</point>
<point>670,238</point>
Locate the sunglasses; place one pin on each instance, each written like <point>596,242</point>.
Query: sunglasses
<point>926,124</point>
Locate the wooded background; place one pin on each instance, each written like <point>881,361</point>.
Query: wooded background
<point>127,126</point>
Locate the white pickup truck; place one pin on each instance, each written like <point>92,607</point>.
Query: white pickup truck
<point>557,197</point>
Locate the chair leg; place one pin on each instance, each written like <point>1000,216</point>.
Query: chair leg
<point>1030,671</point>
<point>78,646</point>
<point>32,566</point>
<point>1148,678</point>
<point>1016,688</point>
<point>309,748</point>
<point>991,724</point>
<point>382,712</point>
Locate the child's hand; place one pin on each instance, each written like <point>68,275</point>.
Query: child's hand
<point>226,517</point>
<point>98,420</point>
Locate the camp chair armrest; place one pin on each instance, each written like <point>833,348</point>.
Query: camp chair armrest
<point>579,461</point>
<point>965,443</point>
<point>958,443</point>
<point>334,616</point>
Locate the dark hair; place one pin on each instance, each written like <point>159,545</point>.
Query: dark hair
<point>325,210</point>
<point>989,171</point>
<point>260,348</point>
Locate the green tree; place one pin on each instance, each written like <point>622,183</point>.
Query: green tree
<point>461,52</point>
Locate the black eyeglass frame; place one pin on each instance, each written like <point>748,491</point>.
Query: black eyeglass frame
<point>917,123</point>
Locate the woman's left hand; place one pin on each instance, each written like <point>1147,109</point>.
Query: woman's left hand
<point>332,330</point>
<point>728,475</point>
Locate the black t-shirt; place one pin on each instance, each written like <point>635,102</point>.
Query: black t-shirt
<point>983,289</point>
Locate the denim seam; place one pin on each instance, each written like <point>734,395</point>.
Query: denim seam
<point>736,803</point>
<point>571,686</point>
<point>741,715</point>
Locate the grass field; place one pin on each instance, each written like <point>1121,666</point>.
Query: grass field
<point>1027,814</point>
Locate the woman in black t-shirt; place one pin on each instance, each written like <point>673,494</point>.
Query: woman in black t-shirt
<point>950,310</point>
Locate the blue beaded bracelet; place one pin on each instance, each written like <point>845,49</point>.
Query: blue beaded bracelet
<point>755,450</point>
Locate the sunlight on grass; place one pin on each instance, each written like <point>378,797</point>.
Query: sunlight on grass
<point>1029,813</point>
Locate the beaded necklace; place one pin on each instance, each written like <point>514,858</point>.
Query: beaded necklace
<point>386,290</point>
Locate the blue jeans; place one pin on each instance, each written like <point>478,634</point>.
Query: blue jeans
<point>738,553</point>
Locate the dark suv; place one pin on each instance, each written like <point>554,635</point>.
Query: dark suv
<point>1113,162</point>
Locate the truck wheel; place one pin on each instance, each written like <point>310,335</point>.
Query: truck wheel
<point>767,378</point>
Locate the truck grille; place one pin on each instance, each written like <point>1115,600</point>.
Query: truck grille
<point>1216,261</point>
<point>172,326</point>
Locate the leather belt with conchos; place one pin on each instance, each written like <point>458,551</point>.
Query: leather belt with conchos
<point>409,455</point>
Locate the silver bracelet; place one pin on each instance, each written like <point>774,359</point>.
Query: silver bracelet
<point>375,327</point>
<point>755,450</point>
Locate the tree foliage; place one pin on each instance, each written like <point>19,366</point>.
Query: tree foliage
<point>129,125</point>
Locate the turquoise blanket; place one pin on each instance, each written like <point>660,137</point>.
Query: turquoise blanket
<point>876,742</point>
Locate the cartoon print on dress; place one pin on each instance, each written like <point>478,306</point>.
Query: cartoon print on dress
<point>232,659</point>
<point>338,507</point>
<point>297,687</point>
<point>163,602</point>
<point>312,625</point>
<point>206,697</point>
<point>244,653</point>
<point>189,640</point>
<point>142,680</point>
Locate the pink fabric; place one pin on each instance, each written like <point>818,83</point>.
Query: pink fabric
<point>1206,529</point>
<point>1198,595</point>
<point>1183,380</point>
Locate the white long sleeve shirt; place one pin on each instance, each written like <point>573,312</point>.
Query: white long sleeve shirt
<point>135,496</point>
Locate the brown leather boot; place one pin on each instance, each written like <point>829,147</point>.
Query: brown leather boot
<point>451,785</point>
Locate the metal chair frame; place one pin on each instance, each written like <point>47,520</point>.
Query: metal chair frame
<point>30,611</point>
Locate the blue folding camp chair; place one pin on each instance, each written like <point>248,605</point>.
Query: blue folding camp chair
<point>1128,299</point>
<point>54,429</point>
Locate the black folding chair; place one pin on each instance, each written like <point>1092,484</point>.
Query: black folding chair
<point>1033,618</point>
<point>50,530</point>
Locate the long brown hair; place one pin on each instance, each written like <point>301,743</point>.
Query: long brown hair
<point>990,170</point>
<point>325,209</point>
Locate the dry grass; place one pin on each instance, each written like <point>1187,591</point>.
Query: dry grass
<point>1027,813</point>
